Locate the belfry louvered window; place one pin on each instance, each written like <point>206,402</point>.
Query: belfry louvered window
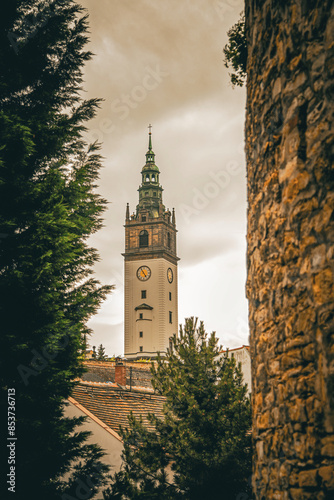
<point>143,238</point>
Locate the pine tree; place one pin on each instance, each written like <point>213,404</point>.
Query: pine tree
<point>48,209</point>
<point>101,355</point>
<point>202,446</point>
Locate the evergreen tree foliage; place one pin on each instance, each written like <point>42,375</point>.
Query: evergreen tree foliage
<point>201,449</point>
<point>235,52</point>
<point>48,209</point>
<point>101,354</point>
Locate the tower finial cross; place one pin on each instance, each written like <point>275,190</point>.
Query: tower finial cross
<point>150,128</point>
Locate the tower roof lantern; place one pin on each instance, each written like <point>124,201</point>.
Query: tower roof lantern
<point>150,189</point>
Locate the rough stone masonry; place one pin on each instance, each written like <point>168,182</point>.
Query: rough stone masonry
<point>289,148</point>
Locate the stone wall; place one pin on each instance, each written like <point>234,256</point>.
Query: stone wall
<point>289,148</point>
<point>99,371</point>
<point>104,371</point>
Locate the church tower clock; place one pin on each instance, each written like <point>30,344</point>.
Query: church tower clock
<point>150,285</point>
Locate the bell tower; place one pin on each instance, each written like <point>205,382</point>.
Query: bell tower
<point>150,265</point>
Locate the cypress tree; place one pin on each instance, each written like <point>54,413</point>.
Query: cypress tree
<point>101,354</point>
<point>48,209</point>
<point>202,446</point>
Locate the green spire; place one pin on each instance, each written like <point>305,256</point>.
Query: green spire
<point>150,190</point>
<point>150,156</point>
<point>150,138</point>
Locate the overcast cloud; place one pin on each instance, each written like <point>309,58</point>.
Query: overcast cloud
<point>161,62</point>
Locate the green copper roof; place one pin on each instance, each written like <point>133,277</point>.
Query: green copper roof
<point>150,140</point>
<point>150,166</point>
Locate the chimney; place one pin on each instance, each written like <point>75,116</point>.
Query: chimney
<point>120,374</point>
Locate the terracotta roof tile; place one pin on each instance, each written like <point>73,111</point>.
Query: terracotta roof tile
<point>94,418</point>
<point>235,349</point>
<point>113,405</point>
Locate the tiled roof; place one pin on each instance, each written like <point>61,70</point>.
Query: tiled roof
<point>144,365</point>
<point>94,418</point>
<point>236,348</point>
<point>112,404</point>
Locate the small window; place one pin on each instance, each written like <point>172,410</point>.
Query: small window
<point>143,218</point>
<point>168,240</point>
<point>154,193</point>
<point>170,295</point>
<point>141,348</point>
<point>143,238</point>
<point>153,178</point>
<point>147,178</point>
<point>140,315</point>
<point>146,193</point>
<point>143,294</point>
<point>170,317</point>
<point>141,334</point>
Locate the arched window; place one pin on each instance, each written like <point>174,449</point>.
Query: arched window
<point>153,178</point>
<point>168,240</point>
<point>147,178</point>
<point>143,239</point>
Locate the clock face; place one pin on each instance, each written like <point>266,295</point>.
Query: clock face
<point>143,273</point>
<point>169,275</point>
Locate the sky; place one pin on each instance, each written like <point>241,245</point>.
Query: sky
<point>161,62</point>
